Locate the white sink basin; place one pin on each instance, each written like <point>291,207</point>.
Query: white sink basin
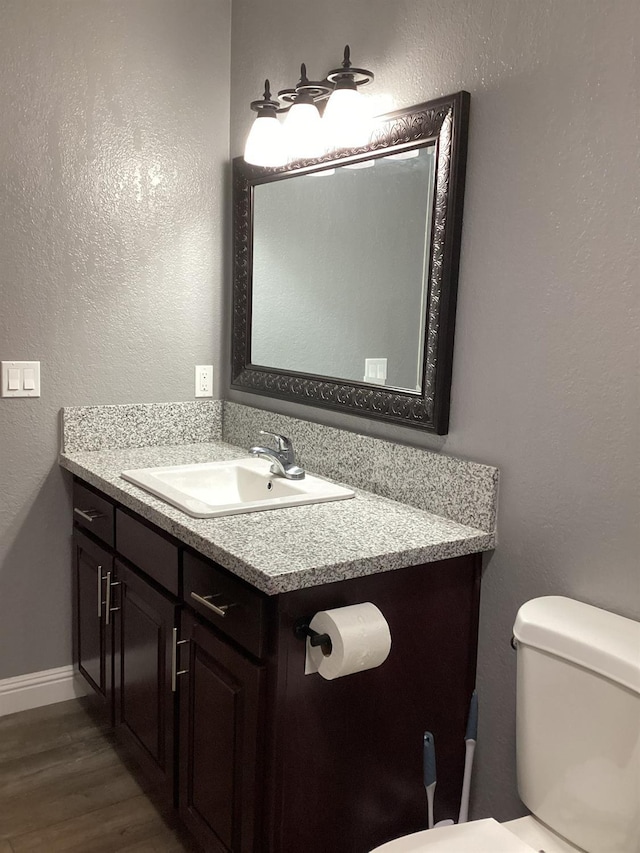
<point>212,489</point>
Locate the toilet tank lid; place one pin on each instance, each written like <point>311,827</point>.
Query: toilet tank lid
<point>596,639</point>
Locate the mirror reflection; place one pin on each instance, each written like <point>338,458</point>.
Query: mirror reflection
<point>341,270</point>
<point>345,270</point>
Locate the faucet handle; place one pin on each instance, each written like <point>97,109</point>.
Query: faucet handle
<point>283,444</point>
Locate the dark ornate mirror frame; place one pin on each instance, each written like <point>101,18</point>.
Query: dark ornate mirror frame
<point>445,123</point>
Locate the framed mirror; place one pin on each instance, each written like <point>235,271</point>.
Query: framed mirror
<point>346,267</point>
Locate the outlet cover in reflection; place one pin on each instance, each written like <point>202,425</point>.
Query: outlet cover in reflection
<point>375,370</point>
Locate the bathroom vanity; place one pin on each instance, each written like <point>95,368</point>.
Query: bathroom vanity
<point>186,627</point>
<point>185,632</point>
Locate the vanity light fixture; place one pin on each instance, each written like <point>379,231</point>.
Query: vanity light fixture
<point>303,126</point>
<point>265,143</point>
<point>304,135</point>
<point>348,125</point>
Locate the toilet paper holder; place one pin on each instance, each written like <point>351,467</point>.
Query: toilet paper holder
<point>302,630</point>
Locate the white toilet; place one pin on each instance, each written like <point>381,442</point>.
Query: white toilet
<point>578,739</point>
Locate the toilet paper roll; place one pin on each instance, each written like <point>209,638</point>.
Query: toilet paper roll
<point>360,640</point>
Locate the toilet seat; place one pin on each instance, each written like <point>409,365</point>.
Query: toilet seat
<point>478,836</point>
<point>537,835</point>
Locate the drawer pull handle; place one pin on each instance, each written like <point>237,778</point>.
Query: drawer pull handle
<point>99,592</point>
<point>89,515</point>
<point>108,609</point>
<point>204,600</point>
<point>175,672</point>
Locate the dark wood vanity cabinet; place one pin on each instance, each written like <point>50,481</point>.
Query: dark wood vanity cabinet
<point>94,639</point>
<point>221,717</point>
<point>149,659</point>
<point>145,647</point>
<point>206,679</point>
<point>222,707</point>
<point>144,685</point>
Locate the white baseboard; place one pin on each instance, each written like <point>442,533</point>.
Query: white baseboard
<point>40,688</point>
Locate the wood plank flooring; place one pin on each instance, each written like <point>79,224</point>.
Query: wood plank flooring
<point>65,789</point>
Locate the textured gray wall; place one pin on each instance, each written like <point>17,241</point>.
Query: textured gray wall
<point>545,379</point>
<point>113,150</point>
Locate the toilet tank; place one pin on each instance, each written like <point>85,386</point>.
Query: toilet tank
<point>578,722</point>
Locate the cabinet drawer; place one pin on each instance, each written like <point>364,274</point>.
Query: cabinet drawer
<point>244,609</point>
<point>148,550</point>
<point>93,512</point>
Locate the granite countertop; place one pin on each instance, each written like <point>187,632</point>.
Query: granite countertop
<point>285,549</point>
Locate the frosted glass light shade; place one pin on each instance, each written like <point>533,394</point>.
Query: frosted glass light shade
<point>361,164</point>
<point>304,132</point>
<point>346,119</point>
<point>404,155</point>
<point>265,144</point>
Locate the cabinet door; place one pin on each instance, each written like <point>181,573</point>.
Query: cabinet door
<point>94,647</point>
<point>220,703</point>
<point>145,659</point>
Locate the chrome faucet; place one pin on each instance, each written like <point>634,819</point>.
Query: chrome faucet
<point>283,460</point>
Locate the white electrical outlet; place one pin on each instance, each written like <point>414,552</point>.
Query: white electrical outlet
<point>375,370</point>
<point>204,380</point>
<point>20,379</point>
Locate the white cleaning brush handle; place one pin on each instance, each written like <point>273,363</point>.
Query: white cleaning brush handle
<point>470,746</point>
<point>430,789</point>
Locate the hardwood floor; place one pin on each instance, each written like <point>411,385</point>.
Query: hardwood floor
<point>65,789</point>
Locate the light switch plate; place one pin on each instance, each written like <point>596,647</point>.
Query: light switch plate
<point>204,380</point>
<point>23,374</point>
